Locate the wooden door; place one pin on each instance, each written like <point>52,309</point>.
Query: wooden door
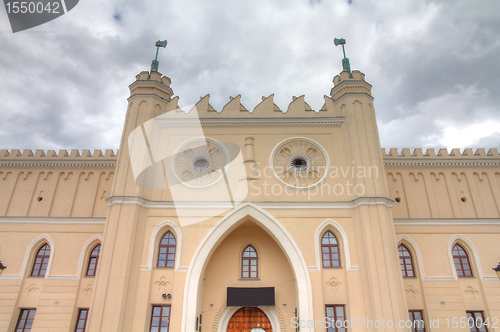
<point>249,318</point>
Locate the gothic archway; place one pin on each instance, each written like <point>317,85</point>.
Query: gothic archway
<point>192,291</point>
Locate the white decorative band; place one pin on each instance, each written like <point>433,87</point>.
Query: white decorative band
<point>254,122</point>
<point>143,202</point>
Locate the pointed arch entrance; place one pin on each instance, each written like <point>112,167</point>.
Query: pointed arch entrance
<point>248,318</point>
<point>192,289</point>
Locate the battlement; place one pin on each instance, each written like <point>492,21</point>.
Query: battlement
<point>430,153</point>
<point>62,158</point>
<point>156,85</point>
<point>152,83</point>
<point>62,154</point>
<point>267,108</point>
<point>441,158</point>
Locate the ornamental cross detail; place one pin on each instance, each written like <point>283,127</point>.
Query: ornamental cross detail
<point>345,61</point>
<point>155,64</point>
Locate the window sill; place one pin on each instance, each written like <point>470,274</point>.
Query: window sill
<point>249,279</point>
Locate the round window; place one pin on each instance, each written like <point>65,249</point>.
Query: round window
<point>199,162</point>
<point>299,163</point>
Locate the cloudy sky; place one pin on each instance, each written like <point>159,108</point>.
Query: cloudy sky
<point>434,65</point>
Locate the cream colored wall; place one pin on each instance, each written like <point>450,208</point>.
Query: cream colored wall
<point>445,198</point>
<point>64,288</point>
<point>58,199</point>
<point>447,185</point>
<point>428,217</point>
<point>55,184</point>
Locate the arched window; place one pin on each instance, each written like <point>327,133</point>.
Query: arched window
<point>406,262</point>
<point>41,261</point>
<point>461,260</point>
<point>249,263</point>
<point>330,250</point>
<point>166,253</point>
<point>94,257</point>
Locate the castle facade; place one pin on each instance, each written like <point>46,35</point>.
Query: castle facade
<point>231,220</point>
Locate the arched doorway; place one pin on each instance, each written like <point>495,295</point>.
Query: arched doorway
<point>193,292</point>
<point>248,318</point>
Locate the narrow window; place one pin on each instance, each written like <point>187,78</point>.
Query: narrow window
<point>330,250</point>
<point>336,318</point>
<point>475,320</point>
<point>406,262</point>
<point>160,319</point>
<point>166,252</point>
<point>461,260</point>
<point>249,260</point>
<point>417,321</point>
<point>41,261</point>
<point>82,320</point>
<point>25,321</point>
<point>94,257</point>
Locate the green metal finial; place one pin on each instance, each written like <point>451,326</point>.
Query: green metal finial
<point>155,63</point>
<point>345,61</point>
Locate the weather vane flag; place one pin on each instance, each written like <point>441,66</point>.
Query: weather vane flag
<point>345,61</point>
<point>155,63</point>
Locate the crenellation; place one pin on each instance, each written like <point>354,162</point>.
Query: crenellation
<point>15,153</point>
<point>234,105</point>
<point>493,152</point>
<point>62,154</point>
<point>267,105</point>
<point>418,152</point>
<point>468,156</point>
<point>443,152</point>
<point>405,152</point>
<point>74,154</point>
<point>39,153</point>
<point>430,152</point>
<point>481,152</point>
<point>266,108</point>
<point>110,153</point>
<point>27,153</point>
<point>298,106</point>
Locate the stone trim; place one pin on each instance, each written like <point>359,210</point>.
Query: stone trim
<point>143,202</point>
<point>253,122</point>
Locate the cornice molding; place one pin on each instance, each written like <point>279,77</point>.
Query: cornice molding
<point>143,202</point>
<point>253,122</point>
<point>52,220</point>
<point>446,221</point>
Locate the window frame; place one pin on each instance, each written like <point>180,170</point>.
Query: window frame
<point>162,306</point>
<point>164,264</point>
<point>249,261</point>
<point>404,266</point>
<point>78,319</point>
<point>460,258</point>
<point>330,254</point>
<point>412,319</point>
<point>90,263</point>
<point>44,259</point>
<point>474,313</point>
<point>335,317</point>
<point>28,310</point>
